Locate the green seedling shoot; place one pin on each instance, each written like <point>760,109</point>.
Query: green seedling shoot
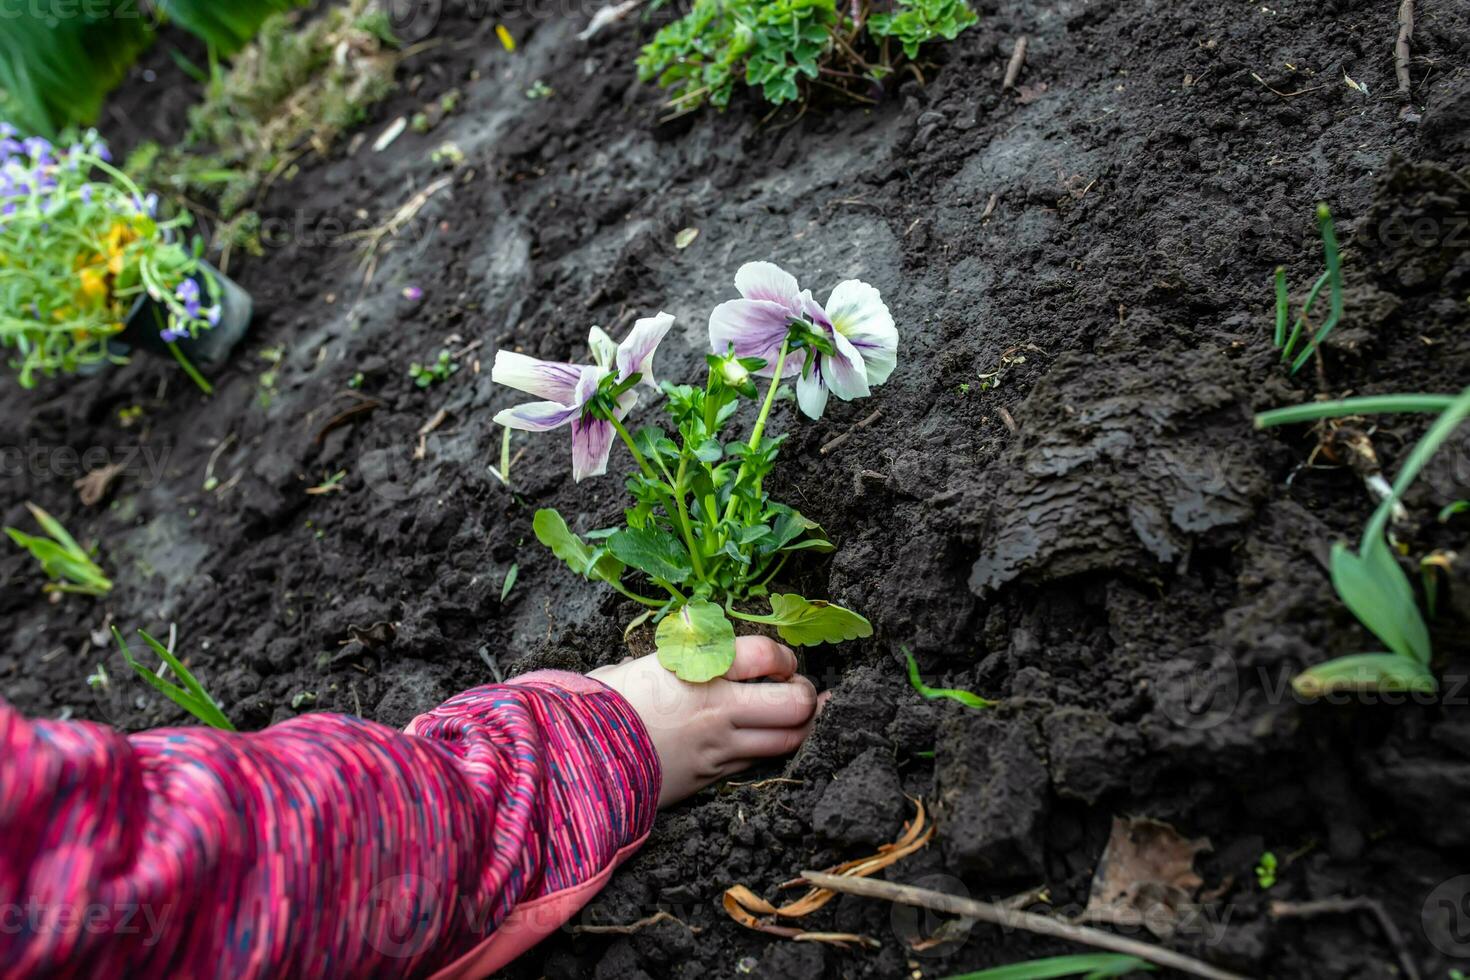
<point>967,698</point>
<point>435,371</point>
<point>1370,581</point>
<point>1266,870</point>
<point>1332,279</point>
<point>69,566</point>
<point>191,696</point>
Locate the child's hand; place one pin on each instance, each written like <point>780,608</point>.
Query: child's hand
<point>705,732</point>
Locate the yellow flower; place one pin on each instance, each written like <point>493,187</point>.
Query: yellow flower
<point>93,289</point>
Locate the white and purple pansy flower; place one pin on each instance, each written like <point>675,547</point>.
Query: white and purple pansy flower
<point>846,346</point>
<point>583,395</point>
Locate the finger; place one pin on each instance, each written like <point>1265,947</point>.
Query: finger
<point>784,705</point>
<point>761,743</point>
<point>761,656</point>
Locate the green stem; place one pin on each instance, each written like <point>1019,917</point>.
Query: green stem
<point>672,590</point>
<point>673,508</point>
<point>760,421</point>
<point>684,517</point>
<point>772,574</point>
<point>637,456</point>
<point>189,369</point>
<point>645,600</point>
<point>749,617</point>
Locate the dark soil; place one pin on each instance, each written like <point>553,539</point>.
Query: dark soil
<point>1102,540</point>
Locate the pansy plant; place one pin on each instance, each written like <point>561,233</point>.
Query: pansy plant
<point>80,246</point>
<point>701,530</point>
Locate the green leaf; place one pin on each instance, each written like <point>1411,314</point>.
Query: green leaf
<point>552,531</point>
<point>191,697</point>
<point>696,642</point>
<point>1377,591</point>
<point>709,451</point>
<point>807,622</point>
<point>790,525</point>
<point>1091,965</point>
<point>1365,672</point>
<point>510,580</point>
<point>654,552</point>
<point>749,535</point>
<point>967,698</point>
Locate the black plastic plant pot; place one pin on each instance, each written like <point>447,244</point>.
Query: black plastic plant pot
<point>212,346</point>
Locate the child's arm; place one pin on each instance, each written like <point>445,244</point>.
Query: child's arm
<point>321,847</point>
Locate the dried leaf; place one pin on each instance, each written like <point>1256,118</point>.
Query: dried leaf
<point>754,912</point>
<point>94,486</point>
<point>1145,876</point>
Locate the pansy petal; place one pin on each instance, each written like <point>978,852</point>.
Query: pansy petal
<point>553,380</point>
<point>591,442</point>
<point>635,353</point>
<point>604,350</point>
<point>768,281</point>
<point>811,393</point>
<point>755,328</point>
<point>844,372</point>
<point>813,311</point>
<point>537,416</point>
<point>859,314</point>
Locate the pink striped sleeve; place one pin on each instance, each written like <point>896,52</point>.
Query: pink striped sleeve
<point>326,846</point>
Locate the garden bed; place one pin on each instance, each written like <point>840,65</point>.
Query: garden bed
<point>1094,535</point>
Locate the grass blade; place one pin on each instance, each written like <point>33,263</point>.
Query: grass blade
<point>1334,273</point>
<point>1088,964</point>
<point>1301,320</point>
<point>967,698</point>
<point>1366,405</point>
<point>1282,302</point>
<point>1378,593</point>
<point>191,697</point>
<point>1442,429</point>
<point>1365,672</point>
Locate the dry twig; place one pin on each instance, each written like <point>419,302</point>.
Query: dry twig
<point>754,912</point>
<point>1401,47</point>
<point>632,927</point>
<point>1013,68</point>
<point>998,914</point>
<point>1343,906</point>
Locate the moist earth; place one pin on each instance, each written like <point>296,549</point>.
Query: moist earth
<point>1095,536</point>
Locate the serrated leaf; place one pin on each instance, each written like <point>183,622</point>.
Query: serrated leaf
<point>552,531</point>
<point>1365,672</point>
<point>696,642</point>
<point>807,622</point>
<point>652,551</point>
